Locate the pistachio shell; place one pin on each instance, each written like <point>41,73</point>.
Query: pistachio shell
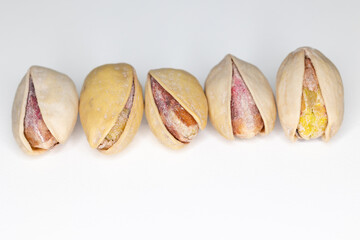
<point>289,90</point>
<point>103,96</point>
<point>186,90</point>
<point>218,93</point>
<point>58,102</point>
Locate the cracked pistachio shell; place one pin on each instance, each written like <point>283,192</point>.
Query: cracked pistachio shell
<point>186,90</point>
<point>103,96</point>
<point>289,86</point>
<point>218,93</point>
<point>58,103</point>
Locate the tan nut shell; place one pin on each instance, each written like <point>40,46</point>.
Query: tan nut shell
<point>218,93</point>
<point>103,96</point>
<point>185,89</point>
<point>289,85</point>
<point>58,102</point>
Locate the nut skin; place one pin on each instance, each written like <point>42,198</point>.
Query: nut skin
<point>35,129</point>
<point>104,95</point>
<point>176,119</point>
<point>57,100</point>
<point>218,92</point>
<point>245,116</point>
<point>289,86</point>
<point>186,90</point>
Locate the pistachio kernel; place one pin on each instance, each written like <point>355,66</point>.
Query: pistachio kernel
<point>313,116</point>
<point>245,116</point>
<point>115,132</point>
<point>175,118</point>
<point>35,129</point>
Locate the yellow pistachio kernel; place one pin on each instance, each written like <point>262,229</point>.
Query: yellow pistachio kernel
<point>313,116</point>
<point>119,126</point>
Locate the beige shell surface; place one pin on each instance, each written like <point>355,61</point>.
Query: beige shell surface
<point>289,90</point>
<point>58,102</point>
<point>104,94</point>
<point>185,89</point>
<point>218,93</point>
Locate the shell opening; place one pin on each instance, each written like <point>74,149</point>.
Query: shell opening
<point>35,129</point>
<point>176,119</point>
<point>115,132</point>
<point>313,116</point>
<point>246,119</point>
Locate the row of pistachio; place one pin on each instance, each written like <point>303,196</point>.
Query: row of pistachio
<point>238,99</point>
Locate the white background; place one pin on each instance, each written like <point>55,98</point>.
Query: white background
<point>263,188</point>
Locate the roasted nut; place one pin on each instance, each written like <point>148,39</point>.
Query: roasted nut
<point>240,99</point>
<point>111,107</point>
<point>44,111</point>
<point>310,95</point>
<point>175,106</point>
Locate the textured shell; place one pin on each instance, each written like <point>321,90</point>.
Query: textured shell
<point>185,89</point>
<point>289,90</point>
<point>218,93</point>
<point>103,96</point>
<point>58,102</point>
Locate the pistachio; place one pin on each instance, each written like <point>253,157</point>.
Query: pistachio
<point>175,106</point>
<point>44,111</point>
<point>240,99</point>
<point>111,107</point>
<point>310,95</point>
